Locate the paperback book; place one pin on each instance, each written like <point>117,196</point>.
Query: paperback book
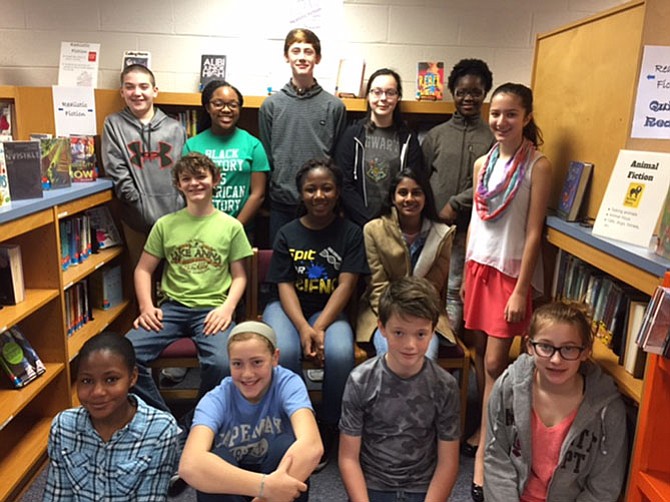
<point>663,245</point>
<point>12,287</point>
<point>82,150</point>
<point>212,67</point>
<point>574,190</point>
<point>18,359</point>
<point>430,81</point>
<point>106,287</point>
<point>6,112</point>
<point>5,196</point>
<point>103,229</point>
<point>23,162</point>
<point>136,57</point>
<point>56,161</point>
<point>655,337</point>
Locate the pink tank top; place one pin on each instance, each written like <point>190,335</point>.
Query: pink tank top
<point>546,450</point>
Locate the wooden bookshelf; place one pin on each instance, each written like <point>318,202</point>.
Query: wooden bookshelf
<point>584,103</point>
<point>25,413</point>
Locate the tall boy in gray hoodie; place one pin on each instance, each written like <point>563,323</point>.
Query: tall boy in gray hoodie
<point>140,145</point>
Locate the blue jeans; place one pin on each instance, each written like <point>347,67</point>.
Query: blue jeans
<point>396,496</point>
<point>382,346</point>
<point>280,215</point>
<point>179,321</point>
<point>276,450</point>
<point>338,350</point>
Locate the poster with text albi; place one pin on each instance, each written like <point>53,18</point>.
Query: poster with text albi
<point>634,197</point>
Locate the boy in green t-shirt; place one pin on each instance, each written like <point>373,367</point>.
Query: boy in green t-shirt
<point>203,279</point>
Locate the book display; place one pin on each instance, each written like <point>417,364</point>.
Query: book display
<point>23,163</point>
<point>574,189</point>
<point>430,81</point>
<point>212,67</point>
<point>56,162</point>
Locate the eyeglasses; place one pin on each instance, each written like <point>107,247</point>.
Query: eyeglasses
<point>473,93</point>
<point>220,105</point>
<point>567,352</point>
<point>389,93</point>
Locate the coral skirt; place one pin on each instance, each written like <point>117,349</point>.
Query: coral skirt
<point>486,293</point>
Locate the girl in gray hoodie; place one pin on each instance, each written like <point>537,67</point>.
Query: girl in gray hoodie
<point>557,424</point>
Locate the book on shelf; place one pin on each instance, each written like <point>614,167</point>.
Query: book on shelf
<point>18,359</point>
<point>430,80</point>
<point>56,162</point>
<point>655,333</point>
<point>349,83</point>
<point>574,189</point>
<point>634,357</point>
<point>77,306</point>
<point>106,287</point>
<point>103,227</point>
<point>84,165</point>
<point>212,67</point>
<point>12,286</point>
<point>663,244</point>
<point>23,162</point>
<point>5,196</point>
<point>634,197</point>
<point>136,57</point>
<point>6,113</point>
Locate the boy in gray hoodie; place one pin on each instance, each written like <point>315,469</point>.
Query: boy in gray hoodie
<point>140,145</point>
<point>300,122</point>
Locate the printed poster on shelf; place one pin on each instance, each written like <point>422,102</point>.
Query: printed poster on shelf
<point>634,197</point>
<point>78,64</point>
<point>652,105</point>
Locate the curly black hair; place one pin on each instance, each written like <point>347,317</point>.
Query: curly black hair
<point>475,67</point>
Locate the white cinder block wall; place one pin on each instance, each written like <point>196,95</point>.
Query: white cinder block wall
<point>393,33</point>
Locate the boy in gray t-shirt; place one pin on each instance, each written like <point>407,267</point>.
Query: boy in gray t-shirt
<point>400,411</point>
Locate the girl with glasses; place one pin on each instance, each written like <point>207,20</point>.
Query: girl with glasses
<point>373,150</point>
<point>239,155</point>
<point>557,424</point>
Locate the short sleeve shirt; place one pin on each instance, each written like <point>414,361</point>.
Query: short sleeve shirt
<point>313,260</point>
<point>198,251</point>
<point>246,429</point>
<point>400,421</point>
<point>237,155</point>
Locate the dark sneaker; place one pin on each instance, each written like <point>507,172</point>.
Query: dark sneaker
<point>329,435</point>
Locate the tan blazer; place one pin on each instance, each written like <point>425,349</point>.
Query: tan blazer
<point>389,259</point>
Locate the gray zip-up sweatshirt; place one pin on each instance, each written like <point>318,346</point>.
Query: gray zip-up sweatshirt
<point>139,159</point>
<point>592,459</point>
<point>449,151</point>
<point>295,128</point>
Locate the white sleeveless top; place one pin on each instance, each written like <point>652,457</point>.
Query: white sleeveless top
<point>499,243</point>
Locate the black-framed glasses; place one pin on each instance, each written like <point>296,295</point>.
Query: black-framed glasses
<point>389,93</point>
<point>473,93</point>
<point>567,352</point>
<point>220,105</point>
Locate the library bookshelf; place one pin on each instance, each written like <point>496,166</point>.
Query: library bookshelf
<point>573,65</point>
<point>26,413</point>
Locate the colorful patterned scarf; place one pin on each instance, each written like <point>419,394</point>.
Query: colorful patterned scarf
<point>515,169</point>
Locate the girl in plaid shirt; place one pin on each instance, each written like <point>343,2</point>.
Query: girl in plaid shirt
<point>114,447</point>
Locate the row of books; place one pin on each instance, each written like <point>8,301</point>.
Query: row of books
<point>188,120</point>
<point>18,359</point>
<point>617,309</point>
<point>102,290</point>
<point>84,234</point>
<point>654,334</point>
<point>78,309</point>
<point>29,167</point>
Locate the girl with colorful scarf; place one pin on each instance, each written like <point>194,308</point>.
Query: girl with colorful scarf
<point>511,188</point>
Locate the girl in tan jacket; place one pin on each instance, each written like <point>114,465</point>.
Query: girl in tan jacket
<point>408,239</point>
